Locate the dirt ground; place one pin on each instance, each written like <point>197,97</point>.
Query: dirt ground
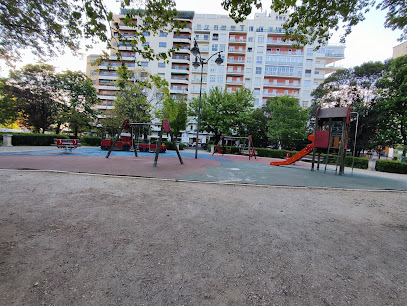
<point>78,239</point>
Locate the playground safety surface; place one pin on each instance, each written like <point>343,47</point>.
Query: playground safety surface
<point>207,168</point>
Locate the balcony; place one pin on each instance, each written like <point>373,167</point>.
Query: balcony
<point>106,87</point>
<point>184,49</point>
<point>234,82</point>
<point>180,59</point>
<point>179,80</point>
<point>201,29</point>
<point>197,80</point>
<point>179,69</point>
<point>237,51</point>
<point>271,41</point>
<point>236,41</point>
<point>294,74</point>
<point>282,84</point>
<point>202,39</point>
<point>180,38</point>
<point>236,61</point>
<point>278,94</point>
<point>285,52</point>
<point>107,77</point>
<point>179,90</point>
<point>235,71</point>
<point>106,97</point>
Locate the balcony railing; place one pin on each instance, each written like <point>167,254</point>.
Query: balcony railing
<point>281,84</point>
<point>285,52</point>
<point>280,42</point>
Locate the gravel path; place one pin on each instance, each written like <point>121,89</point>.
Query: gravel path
<point>77,239</point>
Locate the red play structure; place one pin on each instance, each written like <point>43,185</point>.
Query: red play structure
<point>331,133</point>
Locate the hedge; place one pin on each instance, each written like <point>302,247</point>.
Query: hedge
<point>391,166</point>
<point>90,141</point>
<point>30,139</point>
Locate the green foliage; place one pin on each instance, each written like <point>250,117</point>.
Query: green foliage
<point>392,103</point>
<point>255,124</point>
<point>274,153</point>
<point>223,112</point>
<point>313,21</point>
<point>33,87</point>
<point>28,139</point>
<point>175,111</point>
<point>287,124</point>
<point>391,166</point>
<point>132,103</point>
<point>48,27</point>
<point>170,145</point>
<point>90,141</point>
<point>8,105</point>
<point>354,87</point>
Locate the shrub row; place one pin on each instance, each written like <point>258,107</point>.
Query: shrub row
<point>170,145</point>
<point>29,139</point>
<point>391,166</point>
<point>90,141</point>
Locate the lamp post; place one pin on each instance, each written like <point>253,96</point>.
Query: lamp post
<point>200,61</point>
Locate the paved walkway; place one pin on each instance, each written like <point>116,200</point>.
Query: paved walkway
<point>207,168</point>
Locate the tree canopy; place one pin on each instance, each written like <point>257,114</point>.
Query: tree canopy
<point>223,112</point>
<point>312,20</point>
<point>287,124</point>
<point>47,27</point>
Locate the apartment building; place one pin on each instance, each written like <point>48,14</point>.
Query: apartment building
<point>254,52</point>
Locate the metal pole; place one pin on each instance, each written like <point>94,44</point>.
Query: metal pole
<point>356,133</point>
<point>199,112</point>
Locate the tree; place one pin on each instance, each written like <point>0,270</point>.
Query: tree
<point>175,111</point>
<point>287,124</point>
<point>48,27</point>
<point>33,87</point>
<point>223,112</point>
<point>255,124</point>
<point>80,96</point>
<point>354,87</point>
<point>312,20</point>
<point>8,105</point>
<point>392,102</point>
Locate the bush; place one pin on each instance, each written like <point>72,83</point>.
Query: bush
<point>391,166</point>
<point>360,162</point>
<point>274,153</point>
<point>90,140</point>
<point>30,139</point>
<point>170,145</point>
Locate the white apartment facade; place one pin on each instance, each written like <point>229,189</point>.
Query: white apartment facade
<point>254,52</point>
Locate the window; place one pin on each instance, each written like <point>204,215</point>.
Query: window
<point>248,60</point>
<point>307,83</point>
<point>239,59</point>
<point>251,29</point>
<point>222,48</point>
<point>260,39</point>
<point>223,28</point>
<point>304,103</point>
<point>256,91</point>
<point>260,49</point>
<point>159,95</point>
<point>260,29</point>
<point>309,52</point>
<point>206,37</point>
<point>162,44</point>
<point>215,27</point>
<point>146,34</point>
<point>249,50</point>
<point>212,79</point>
<point>161,65</point>
<point>198,26</point>
<point>144,64</point>
<point>161,75</point>
<point>221,69</point>
<point>242,28</point>
<point>220,79</point>
<point>233,28</point>
<point>146,44</point>
<point>257,81</point>
<point>258,70</point>
<point>309,62</point>
<point>259,59</point>
<point>307,73</point>
<point>212,69</point>
<point>214,48</point>
<point>271,29</point>
<point>215,36</point>
<point>163,34</point>
<point>250,39</point>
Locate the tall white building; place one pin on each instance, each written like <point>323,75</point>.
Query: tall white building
<point>254,52</point>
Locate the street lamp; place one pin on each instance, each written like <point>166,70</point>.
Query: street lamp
<point>199,61</point>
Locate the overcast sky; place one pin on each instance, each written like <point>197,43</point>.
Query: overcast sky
<point>369,41</point>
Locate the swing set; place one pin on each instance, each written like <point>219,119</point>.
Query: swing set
<point>159,147</point>
<point>245,148</point>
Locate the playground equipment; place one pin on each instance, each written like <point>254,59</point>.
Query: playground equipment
<point>159,147</point>
<point>331,133</point>
<point>308,149</point>
<point>247,147</point>
<point>66,144</point>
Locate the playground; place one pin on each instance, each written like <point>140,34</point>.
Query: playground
<point>207,168</point>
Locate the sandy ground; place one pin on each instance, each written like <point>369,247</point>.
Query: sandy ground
<point>78,239</point>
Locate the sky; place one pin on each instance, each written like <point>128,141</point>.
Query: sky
<point>369,40</point>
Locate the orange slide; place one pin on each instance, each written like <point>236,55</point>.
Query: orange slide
<point>297,156</point>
